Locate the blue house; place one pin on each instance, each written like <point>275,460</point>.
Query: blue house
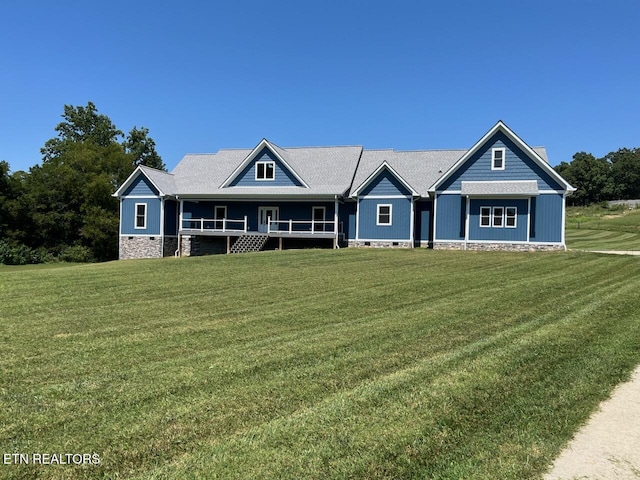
<point>499,194</point>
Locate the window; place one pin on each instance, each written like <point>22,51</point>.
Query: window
<point>497,159</point>
<point>384,215</point>
<point>265,170</point>
<point>485,216</point>
<point>511,217</point>
<point>141,215</point>
<point>498,217</point>
<point>498,213</point>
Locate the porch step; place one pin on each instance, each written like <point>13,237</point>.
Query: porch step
<point>249,243</point>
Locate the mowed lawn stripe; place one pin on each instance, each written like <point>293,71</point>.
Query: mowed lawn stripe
<point>263,340</point>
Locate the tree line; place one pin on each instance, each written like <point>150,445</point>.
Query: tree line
<point>63,208</point>
<point>616,176</point>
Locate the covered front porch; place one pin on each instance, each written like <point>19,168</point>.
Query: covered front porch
<point>247,221</point>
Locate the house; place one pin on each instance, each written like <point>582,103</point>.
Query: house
<point>499,194</point>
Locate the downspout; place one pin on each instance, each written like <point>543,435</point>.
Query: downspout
<point>162,227</point>
<point>177,252</point>
<point>412,222</point>
<point>335,221</point>
<point>466,222</point>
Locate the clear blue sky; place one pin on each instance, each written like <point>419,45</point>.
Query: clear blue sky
<point>397,74</point>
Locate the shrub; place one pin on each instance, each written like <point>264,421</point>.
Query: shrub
<point>13,253</point>
<point>76,254</point>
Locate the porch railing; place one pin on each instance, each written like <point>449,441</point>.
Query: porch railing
<point>216,224</point>
<point>301,226</point>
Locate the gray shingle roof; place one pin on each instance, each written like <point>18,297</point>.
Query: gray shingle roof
<point>326,170</point>
<point>163,180</point>
<point>520,187</point>
<point>420,169</point>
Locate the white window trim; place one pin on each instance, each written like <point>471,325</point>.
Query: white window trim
<point>515,217</point>
<point>390,214</point>
<point>490,217</point>
<point>493,158</point>
<point>494,216</point>
<point>135,216</point>
<point>265,163</point>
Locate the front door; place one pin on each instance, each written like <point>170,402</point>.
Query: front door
<point>319,214</point>
<point>266,213</point>
<point>219,214</point>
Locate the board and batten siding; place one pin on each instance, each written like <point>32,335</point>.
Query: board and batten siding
<point>450,217</point>
<point>422,222</point>
<point>170,217</point>
<point>546,213</point>
<point>500,234</point>
<point>127,222</point>
<point>400,228</point>
<point>283,177</point>
<point>518,166</point>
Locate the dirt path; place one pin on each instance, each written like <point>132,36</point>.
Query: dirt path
<point>617,252</point>
<point>608,447</point>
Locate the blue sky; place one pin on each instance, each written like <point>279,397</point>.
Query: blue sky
<point>404,74</point>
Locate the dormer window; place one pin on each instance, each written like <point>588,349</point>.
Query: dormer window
<point>497,159</point>
<point>265,170</point>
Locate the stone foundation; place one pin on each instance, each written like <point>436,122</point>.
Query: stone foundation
<point>190,246</point>
<point>170,246</point>
<point>140,247</point>
<point>498,247</point>
<point>379,244</point>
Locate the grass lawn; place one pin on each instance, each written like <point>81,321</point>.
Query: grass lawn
<point>598,228</point>
<point>313,364</point>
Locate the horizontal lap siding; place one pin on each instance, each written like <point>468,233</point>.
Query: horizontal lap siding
<point>518,166</point>
<point>283,177</point>
<point>400,229</point>
<point>518,234</point>
<point>128,216</point>
<point>141,187</point>
<point>547,218</point>
<point>450,217</point>
<point>385,184</point>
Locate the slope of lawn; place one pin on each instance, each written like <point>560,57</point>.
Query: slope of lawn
<point>599,227</point>
<point>313,364</point>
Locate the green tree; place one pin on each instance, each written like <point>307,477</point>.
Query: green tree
<point>625,172</point>
<point>590,176</point>
<point>142,149</point>
<point>68,198</point>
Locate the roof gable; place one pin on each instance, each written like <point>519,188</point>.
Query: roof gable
<point>147,181</point>
<point>501,136</point>
<point>244,174</point>
<point>384,180</point>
